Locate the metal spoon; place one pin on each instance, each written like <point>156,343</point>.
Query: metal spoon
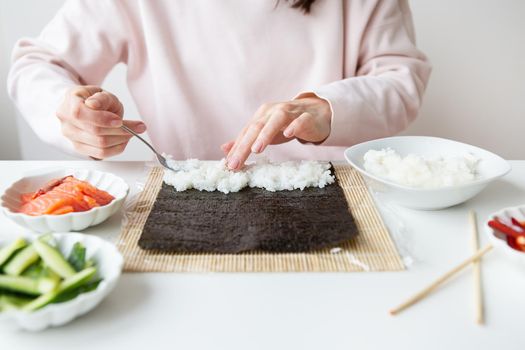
<point>160,158</point>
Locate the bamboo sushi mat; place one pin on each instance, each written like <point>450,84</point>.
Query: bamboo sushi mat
<point>371,250</point>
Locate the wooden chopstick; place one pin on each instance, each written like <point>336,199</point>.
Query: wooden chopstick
<point>478,290</point>
<point>426,291</point>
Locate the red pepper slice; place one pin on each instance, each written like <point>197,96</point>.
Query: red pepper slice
<point>501,227</point>
<point>518,223</point>
<point>515,239</point>
<point>512,242</point>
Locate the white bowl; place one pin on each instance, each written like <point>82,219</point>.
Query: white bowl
<point>114,185</point>
<point>490,167</point>
<point>505,215</point>
<point>109,263</point>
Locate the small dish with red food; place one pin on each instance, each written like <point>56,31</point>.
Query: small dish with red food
<point>64,200</point>
<point>506,230</point>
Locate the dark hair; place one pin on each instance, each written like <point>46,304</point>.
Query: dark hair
<point>303,5</point>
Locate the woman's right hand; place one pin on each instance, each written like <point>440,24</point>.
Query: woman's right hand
<point>91,118</point>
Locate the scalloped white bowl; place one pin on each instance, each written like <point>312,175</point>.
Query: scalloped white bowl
<point>490,167</point>
<point>500,244</point>
<point>109,263</point>
<point>114,185</point>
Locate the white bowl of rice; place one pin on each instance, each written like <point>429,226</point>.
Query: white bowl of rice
<point>423,172</point>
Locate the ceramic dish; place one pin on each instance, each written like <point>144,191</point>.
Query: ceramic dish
<point>505,215</point>
<point>11,202</point>
<point>109,266</point>
<point>490,167</point>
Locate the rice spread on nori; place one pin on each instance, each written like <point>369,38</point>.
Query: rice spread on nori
<point>215,176</point>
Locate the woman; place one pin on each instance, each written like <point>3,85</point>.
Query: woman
<point>325,73</point>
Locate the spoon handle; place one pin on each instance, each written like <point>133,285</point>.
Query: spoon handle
<point>125,128</point>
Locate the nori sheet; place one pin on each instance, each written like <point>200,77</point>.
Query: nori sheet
<point>248,220</point>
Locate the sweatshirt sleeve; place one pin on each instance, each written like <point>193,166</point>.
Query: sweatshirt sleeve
<point>383,93</point>
<point>80,45</point>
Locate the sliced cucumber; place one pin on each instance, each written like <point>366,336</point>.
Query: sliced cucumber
<point>89,263</point>
<point>70,283</point>
<point>12,302</point>
<point>77,257</point>
<point>34,271</point>
<point>27,285</point>
<point>47,284</point>
<point>54,259</point>
<point>75,292</point>
<point>47,238</point>
<point>20,284</point>
<point>9,250</point>
<point>47,272</point>
<point>21,261</point>
<point>78,279</point>
<point>41,301</point>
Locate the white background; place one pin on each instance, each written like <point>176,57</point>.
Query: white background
<point>476,93</point>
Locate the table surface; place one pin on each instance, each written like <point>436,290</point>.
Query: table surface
<point>305,310</point>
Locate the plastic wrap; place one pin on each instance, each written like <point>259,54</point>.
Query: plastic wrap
<point>399,232</point>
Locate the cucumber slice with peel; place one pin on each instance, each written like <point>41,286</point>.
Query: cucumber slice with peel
<point>75,292</point>
<point>21,261</point>
<point>27,285</point>
<point>77,257</point>
<point>24,285</point>
<point>9,250</point>
<point>78,279</point>
<point>47,238</point>
<point>34,271</point>
<point>75,281</point>
<point>41,301</point>
<point>12,302</point>
<point>47,284</point>
<point>53,259</point>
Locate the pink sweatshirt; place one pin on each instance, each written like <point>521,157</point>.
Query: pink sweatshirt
<point>199,69</point>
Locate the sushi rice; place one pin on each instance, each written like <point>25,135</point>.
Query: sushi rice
<point>215,176</point>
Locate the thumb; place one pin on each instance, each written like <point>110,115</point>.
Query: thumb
<point>307,128</point>
<point>105,101</point>
<point>136,125</point>
<point>85,91</point>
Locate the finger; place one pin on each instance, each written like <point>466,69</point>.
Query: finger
<point>243,147</point>
<point>99,153</point>
<point>84,92</point>
<point>106,101</point>
<point>226,147</point>
<point>81,115</point>
<point>273,128</point>
<point>135,125</point>
<point>237,139</point>
<point>78,135</point>
<point>306,127</point>
<point>261,112</point>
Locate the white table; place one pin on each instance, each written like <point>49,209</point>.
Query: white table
<point>305,310</point>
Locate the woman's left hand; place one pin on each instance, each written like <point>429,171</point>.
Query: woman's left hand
<point>308,119</point>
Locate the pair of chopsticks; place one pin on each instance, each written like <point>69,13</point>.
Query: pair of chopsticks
<point>474,259</point>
